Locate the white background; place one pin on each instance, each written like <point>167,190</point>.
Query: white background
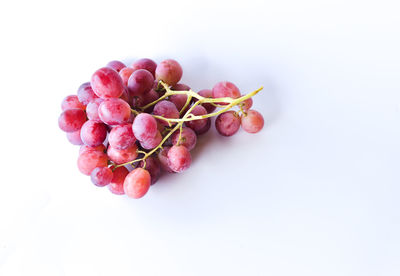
<point>315,193</point>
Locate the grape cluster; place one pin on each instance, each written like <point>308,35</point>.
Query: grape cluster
<point>134,122</point>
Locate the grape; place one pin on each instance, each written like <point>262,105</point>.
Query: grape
<point>125,73</point>
<point>197,124</point>
<point>179,158</point>
<point>93,133</point>
<point>207,93</point>
<point>179,100</point>
<point>247,104</point>
<point>180,87</point>
<point>116,65</point>
<point>90,159</point>
<point>92,109</point>
<point>188,138</point>
<point>75,137</point>
<point>72,120</point>
<point>125,95</point>
<point>150,97</point>
<point>144,127</point>
<point>145,63</point>
<point>107,83</point>
<point>86,93</point>
<point>153,167</point>
<point>163,159</point>
<point>114,111</point>
<point>140,82</point>
<point>151,143</point>
<point>117,183</point>
<point>72,101</point>
<point>227,123</point>
<point>120,156</point>
<point>101,176</point>
<point>205,128</point>
<point>138,101</point>
<point>253,122</point>
<point>121,137</point>
<point>169,71</point>
<point>84,148</point>
<point>166,109</point>
<point>137,183</point>
<point>225,89</point>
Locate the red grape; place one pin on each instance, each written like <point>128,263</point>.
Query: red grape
<point>252,122</point>
<point>72,120</point>
<point>188,138</point>
<point>197,124</point>
<point>117,183</point>
<point>247,104</point>
<point>107,83</point>
<point>151,143</point>
<point>101,176</point>
<point>166,109</point>
<point>227,123</point>
<point>121,137</point>
<point>169,71</point>
<point>125,73</point>
<point>180,87</point>
<point>179,158</point>
<point>114,111</point>
<point>140,82</point>
<point>144,127</point>
<point>225,89</point>
<point>207,93</point>
<point>90,159</point>
<point>179,99</point>
<point>86,93</point>
<point>153,167</point>
<point>163,158</point>
<point>93,133</point>
<point>84,148</point>
<point>75,137</point>
<point>205,128</point>
<point>120,156</point>
<point>137,183</point>
<point>92,109</point>
<point>116,65</point>
<point>145,63</point>
<point>72,101</point>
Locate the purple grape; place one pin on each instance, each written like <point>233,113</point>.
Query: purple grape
<point>140,82</point>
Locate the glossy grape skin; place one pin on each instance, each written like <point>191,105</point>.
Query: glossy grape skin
<point>93,133</point>
<point>72,119</point>
<point>225,89</point>
<point>207,93</point>
<point>145,63</point>
<point>169,71</point>
<point>75,137</point>
<point>107,83</point>
<point>188,138</point>
<point>114,111</point>
<point>137,183</point>
<point>120,156</point>
<point>179,158</point>
<point>116,185</point>
<point>247,104</point>
<point>125,73</point>
<point>153,167</point>
<point>90,159</point>
<point>92,109</point>
<point>253,122</point>
<point>72,101</point>
<point>121,137</point>
<point>140,82</point>
<point>101,176</point>
<point>86,93</point>
<point>151,143</point>
<point>205,128</point>
<point>166,109</point>
<point>163,159</point>
<point>116,65</point>
<point>197,124</point>
<point>84,148</point>
<point>227,123</point>
<point>144,127</point>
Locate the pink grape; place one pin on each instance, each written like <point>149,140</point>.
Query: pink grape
<point>253,122</point>
<point>225,89</point>
<point>205,128</point>
<point>151,143</point>
<point>144,127</point>
<point>107,83</point>
<point>92,109</point>
<point>163,159</point>
<point>153,167</point>
<point>75,137</point>
<point>84,148</point>
<point>120,156</point>
<point>137,183</point>
<point>166,109</point>
<point>125,95</point>
<point>93,133</point>
<point>179,158</point>
<point>117,183</point>
<point>101,176</point>
<point>125,73</point>
<point>169,71</point>
<point>247,104</point>
<point>207,93</point>
<point>227,123</point>
<point>180,87</point>
<point>72,119</point>
<point>121,137</point>
<point>114,111</point>
<point>197,124</point>
<point>188,138</point>
<point>116,65</point>
<point>150,97</point>
<point>86,93</point>
<point>140,82</point>
<point>90,159</point>
<point>145,63</point>
<point>72,101</point>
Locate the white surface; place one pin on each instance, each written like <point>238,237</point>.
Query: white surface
<point>315,193</point>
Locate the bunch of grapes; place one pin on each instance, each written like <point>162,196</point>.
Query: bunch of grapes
<point>134,122</point>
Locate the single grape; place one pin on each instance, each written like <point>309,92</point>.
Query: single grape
<point>188,138</point>
<point>144,127</point>
<point>179,158</point>
<point>90,159</point>
<point>107,83</point>
<point>153,167</point>
<point>247,104</point>
<point>117,183</point>
<point>140,82</point>
<point>151,143</point>
<point>120,156</point>
<point>121,137</point>
<point>116,65</point>
<point>180,87</point>
<point>92,109</point>
<point>125,73</point>
<point>166,109</point>
<point>93,133</point>
<point>169,71</point>
<point>205,128</point>
<point>145,63</point>
<point>114,111</point>
<point>137,183</point>
<point>197,124</point>
<point>86,93</point>
<point>227,123</point>
<point>179,100</point>
<point>72,101</point>
<point>252,122</point>
<point>207,93</point>
<point>163,159</point>
<point>138,102</point>
<point>84,148</point>
<point>225,89</point>
<point>101,176</point>
<point>72,119</point>
<point>75,137</point>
